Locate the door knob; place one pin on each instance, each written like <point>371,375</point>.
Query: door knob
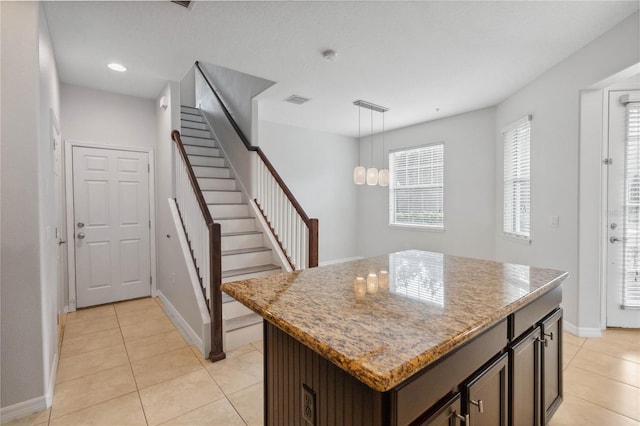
<point>80,235</point>
<point>80,225</point>
<point>614,240</point>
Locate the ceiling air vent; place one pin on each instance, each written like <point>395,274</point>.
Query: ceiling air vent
<point>295,99</point>
<point>187,4</point>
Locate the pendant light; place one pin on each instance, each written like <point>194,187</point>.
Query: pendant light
<point>383,174</point>
<point>372,172</point>
<point>371,175</point>
<point>359,173</point>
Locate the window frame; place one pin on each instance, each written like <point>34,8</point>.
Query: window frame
<point>392,210</point>
<point>513,233</point>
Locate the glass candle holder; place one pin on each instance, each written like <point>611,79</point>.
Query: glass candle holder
<point>372,283</point>
<point>359,287</point>
<point>383,280</point>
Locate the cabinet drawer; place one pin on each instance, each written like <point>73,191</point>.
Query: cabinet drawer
<point>449,413</point>
<point>531,314</point>
<point>415,396</point>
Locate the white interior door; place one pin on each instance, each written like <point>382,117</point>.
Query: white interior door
<point>623,233</point>
<point>112,226</point>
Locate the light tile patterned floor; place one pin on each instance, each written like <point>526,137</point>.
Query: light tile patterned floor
<point>126,364</point>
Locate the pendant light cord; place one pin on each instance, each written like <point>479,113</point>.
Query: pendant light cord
<point>371,137</point>
<point>383,155</point>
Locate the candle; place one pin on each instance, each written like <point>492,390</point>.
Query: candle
<point>359,287</point>
<point>383,280</point>
<point>372,283</point>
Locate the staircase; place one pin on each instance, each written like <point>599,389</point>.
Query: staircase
<point>244,254</point>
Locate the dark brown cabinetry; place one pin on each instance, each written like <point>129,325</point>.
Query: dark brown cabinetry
<point>552,364</point>
<point>448,415</point>
<point>511,374</point>
<point>486,396</point>
<point>536,372</point>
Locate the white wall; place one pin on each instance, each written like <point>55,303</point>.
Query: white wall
<point>237,89</point>
<point>317,167</point>
<point>49,92</point>
<point>90,115</point>
<point>173,277</point>
<point>188,88</point>
<point>554,100</point>
<point>28,289</point>
<point>469,195</point>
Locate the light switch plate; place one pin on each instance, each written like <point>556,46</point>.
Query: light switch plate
<point>555,221</point>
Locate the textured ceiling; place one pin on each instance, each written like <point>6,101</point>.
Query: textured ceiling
<point>412,57</point>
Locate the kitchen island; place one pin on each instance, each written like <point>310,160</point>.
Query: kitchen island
<point>412,337</point>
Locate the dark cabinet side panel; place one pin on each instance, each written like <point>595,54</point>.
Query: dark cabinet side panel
<point>552,364</point>
<point>340,399</point>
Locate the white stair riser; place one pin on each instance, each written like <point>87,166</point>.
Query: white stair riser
<point>217,184</point>
<point>190,117</point>
<point>222,172</point>
<point>242,336</point>
<point>252,275</point>
<point>234,309</point>
<point>229,210</point>
<point>189,108</point>
<point>236,242</point>
<point>246,260</point>
<point>237,225</point>
<point>222,197</point>
<point>197,160</point>
<point>193,124</point>
<point>197,141</point>
<point>202,150</point>
<point>196,133</point>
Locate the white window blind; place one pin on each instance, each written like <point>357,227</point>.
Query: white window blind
<point>416,192</point>
<point>517,178</point>
<point>631,246</point>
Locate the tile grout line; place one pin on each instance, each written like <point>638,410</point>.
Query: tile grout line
<point>605,377</point>
<point>144,413</point>
<point>604,408</point>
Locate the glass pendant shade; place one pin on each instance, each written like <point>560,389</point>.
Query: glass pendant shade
<point>359,175</point>
<point>383,177</point>
<point>372,176</point>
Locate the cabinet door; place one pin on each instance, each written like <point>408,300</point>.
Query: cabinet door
<point>448,415</point>
<point>487,395</point>
<point>551,364</point>
<point>525,380</point>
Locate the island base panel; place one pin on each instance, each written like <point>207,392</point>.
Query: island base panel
<point>339,398</point>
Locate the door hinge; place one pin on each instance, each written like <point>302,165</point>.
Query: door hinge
<point>148,168</point>
<point>150,280</point>
<point>607,161</point>
<point>149,224</point>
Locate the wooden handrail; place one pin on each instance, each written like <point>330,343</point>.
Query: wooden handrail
<point>175,135</point>
<point>257,149</point>
<point>215,257</point>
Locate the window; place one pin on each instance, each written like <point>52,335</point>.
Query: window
<point>517,179</point>
<point>416,190</point>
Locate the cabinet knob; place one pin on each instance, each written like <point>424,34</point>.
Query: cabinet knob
<point>478,404</point>
<point>464,419</point>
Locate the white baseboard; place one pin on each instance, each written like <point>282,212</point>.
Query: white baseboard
<point>581,331</point>
<point>346,259</point>
<point>52,381</point>
<point>181,324</point>
<point>23,408</point>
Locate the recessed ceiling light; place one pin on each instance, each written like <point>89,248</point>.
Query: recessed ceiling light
<point>117,67</point>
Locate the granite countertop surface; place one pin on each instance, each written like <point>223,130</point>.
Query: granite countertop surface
<point>419,307</point>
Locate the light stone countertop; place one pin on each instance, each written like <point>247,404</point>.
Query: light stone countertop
<point>426,305</point>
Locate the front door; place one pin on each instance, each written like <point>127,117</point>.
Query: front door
<point>112,227</point>
<point>623,230</point>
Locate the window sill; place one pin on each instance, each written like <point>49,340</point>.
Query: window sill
<point>520,240</point>
<point>416,228</point>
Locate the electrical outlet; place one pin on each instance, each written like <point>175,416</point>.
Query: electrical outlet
<point>308,405</point>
